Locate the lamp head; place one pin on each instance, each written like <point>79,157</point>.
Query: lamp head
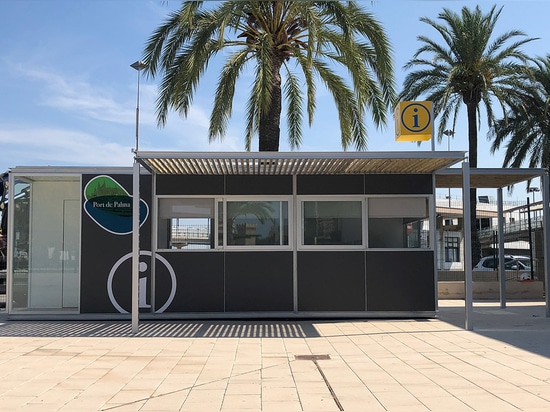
<point>139,65</point>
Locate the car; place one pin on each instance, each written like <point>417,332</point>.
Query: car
<point>511,262</point>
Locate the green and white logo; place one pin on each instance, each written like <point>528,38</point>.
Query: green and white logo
<point>110,205</point>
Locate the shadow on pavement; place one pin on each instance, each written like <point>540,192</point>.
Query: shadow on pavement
<point>521,324</point>
<point>164,328</point>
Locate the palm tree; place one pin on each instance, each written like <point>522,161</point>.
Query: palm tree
<point>319,38</point>
<point>526,128</point>
<point>470,68</point>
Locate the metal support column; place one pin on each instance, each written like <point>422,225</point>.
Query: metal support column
<point>501,262</point>
<point>154,242</point>
<point>434,242</point>
<point>546,234</point>
<point>295,244</point>
<point>468,286</point>
<point>135,249</point>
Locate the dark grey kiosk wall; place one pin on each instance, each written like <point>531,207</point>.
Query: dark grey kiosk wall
<point>375,281</point>
<point>230,281</point>
<point>327,281</point>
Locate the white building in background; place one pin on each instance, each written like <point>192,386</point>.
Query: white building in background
<point>450,238</point>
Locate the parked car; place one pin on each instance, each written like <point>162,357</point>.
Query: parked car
<point>511,262</point>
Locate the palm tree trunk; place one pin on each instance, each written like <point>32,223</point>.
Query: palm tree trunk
<point>269,130</point>
<point>472,150</point>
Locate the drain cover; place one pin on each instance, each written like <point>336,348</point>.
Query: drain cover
<point>312,357</point>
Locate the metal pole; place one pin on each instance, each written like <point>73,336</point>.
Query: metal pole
<point>432,116</point>
<point>468,286</point>
<point>295,245</point>
<point>546,234</point>
<point>530,229</point>
<point>449,133</point>
<point>434,242</point>
<point>137,112</point>
<point>449,149</point>
<point>139,66</point>
<point>154,242</point>
<point>135,249</point>
<point>501,262</point>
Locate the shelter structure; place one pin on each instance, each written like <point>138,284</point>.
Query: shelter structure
<point>496,179</point>
<point>269,234</point>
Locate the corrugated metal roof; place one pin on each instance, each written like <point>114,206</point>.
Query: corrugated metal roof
<point>296,163</point>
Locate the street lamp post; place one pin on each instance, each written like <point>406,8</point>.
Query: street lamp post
<point>139,66</point>
<point>449,133</point>
<point>533,190</point>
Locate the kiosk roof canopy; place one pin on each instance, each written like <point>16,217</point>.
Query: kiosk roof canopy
<point>486,178</point>
<point>296,163</point>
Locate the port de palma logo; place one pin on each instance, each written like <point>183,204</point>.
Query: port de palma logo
<point>109,205</point>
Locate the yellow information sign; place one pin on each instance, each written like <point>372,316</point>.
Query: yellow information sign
<point>413,121</point>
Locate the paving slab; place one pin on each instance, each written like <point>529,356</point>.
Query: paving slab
<point>503,364</point>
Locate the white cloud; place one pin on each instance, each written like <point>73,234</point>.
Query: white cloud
<point>83,100</point>
<point>50,146</point>
<point>78,96</point>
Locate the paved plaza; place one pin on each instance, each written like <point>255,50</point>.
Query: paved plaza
<point>282,365</point>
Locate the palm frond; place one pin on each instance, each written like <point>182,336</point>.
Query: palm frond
<point>267,35</point>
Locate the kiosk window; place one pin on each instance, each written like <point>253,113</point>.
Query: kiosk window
<point>251,223</point>
<point>398,222</point>
<point>332,223</point>
<point>186,223</point>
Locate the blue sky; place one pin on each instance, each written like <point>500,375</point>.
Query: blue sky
<point>68,93</point>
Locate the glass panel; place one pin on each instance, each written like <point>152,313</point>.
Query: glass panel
<point>220,224</point>
<point>187,208</point>
<point>257,223</point>
<point>398,206</point>
<point>191,233</point>
<point>332,223</point>
<point>19,245</point>
<point>186,223</point>
<point>70,252</point>
<point>46,252</point>
<point>398,222</point>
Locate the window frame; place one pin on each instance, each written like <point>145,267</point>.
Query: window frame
<point>330,198</point>
<point>430,217</point>
<point>295,221</point>
<point>222,201</point>
<point>256,198</point>
<point>157,217</point>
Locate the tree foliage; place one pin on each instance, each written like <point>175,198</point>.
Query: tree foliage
<point>525,130</point>
<point>471,67</point>
<point>290,46</point>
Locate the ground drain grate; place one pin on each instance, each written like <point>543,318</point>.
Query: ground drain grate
<point>312,357</point>
<point>316,358</point>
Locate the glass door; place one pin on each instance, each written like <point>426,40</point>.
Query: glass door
<point>46,251</point>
